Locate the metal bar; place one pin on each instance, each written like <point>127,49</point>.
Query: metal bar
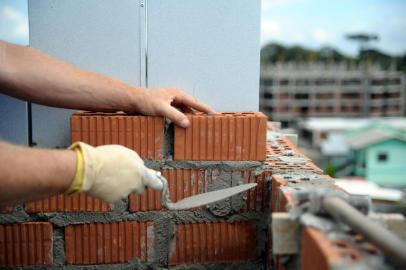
<point>390,245</point>
<point>29,124</point>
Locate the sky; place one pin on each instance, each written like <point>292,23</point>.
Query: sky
<point>310,23</point>
<point>14,21</point>
<point>317,23</point>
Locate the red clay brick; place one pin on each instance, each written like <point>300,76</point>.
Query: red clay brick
<point>222,136</point>
<point>182,183</point>
<point>277,166</point>
<point>188,182</point>
<point>80,202</point>
<point>280,199</point>
<point>109,243</point>
<point>283,144</point>
<point>143,134</point>
<point>26,244</point>
<point>318,253</point>
<point>257,199</point>
<point>6,209</point>
<point>217,242</point>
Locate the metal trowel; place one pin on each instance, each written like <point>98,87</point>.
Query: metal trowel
<point>200,199</point>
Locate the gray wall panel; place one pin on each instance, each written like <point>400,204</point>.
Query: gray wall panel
<point>98,35</point>
<point>13,120</point>
<point>210,49</point>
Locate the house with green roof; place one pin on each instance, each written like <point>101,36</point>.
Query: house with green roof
<point>379,153</point>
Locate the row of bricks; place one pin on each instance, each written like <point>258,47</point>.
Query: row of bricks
<point>182,183</point>
<point>280,146</point>
<point>218,242</point>
<point>317,251</point>
<point>220,136</point>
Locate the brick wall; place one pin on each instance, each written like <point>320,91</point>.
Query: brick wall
<point>217,151</point>
<point>318,248</point>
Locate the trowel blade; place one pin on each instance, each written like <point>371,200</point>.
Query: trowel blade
<point>210,197</point>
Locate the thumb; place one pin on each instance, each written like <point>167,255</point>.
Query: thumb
<point>152,179</point>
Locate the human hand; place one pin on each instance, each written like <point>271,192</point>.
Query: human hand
<point>160,101</point>
<point>111,172</point>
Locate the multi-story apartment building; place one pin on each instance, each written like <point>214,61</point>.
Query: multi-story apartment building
<point>292,91</point>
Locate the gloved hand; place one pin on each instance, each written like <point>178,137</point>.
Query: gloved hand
<point>111,172</point>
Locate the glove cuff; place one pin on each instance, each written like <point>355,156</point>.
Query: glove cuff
<point>87,173</point>
<point>77,183</point>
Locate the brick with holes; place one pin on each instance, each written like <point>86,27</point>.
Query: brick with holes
<point>213,242</point>
<point>222,136</point>
<point>26,244</point>
<point>118,242</point>
<point>143,134</point>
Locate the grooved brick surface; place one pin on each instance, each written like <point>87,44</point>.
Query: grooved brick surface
<point>80,202</point>
<point>257,199</point>
<point>26,244</point>
<point>318,253</point>
<point>222,136</point>
<point>6,209</point>
<point>182,183</point>
<point>143,134</point>
<point>188,182</point>
<point>281,145</point>
<point>279,199</point>
<point>109,243</point>
<point>217,242</point>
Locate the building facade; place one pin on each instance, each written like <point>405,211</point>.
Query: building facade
<point>291,91</point>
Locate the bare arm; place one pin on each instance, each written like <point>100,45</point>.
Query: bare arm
<point>24,176</point>
<point>28,74</point>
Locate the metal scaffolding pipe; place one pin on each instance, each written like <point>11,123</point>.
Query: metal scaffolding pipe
<point>393,247</point>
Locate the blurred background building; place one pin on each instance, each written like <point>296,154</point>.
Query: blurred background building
<point>291,91</point>
<point>335,73</point>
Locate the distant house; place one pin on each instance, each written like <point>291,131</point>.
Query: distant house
<point>379,153</point>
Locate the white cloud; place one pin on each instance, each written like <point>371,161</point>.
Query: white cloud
<point>13,25</point>
<point>270,29</point>
<point>322,35</point>
<point>281,31</point>
<point>268,4</point>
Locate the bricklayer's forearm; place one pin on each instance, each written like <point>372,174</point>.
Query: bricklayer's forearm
<point>30,174</point>
<point>29,74</point>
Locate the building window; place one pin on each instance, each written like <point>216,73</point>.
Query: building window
<point>382,157</point>
<point>267,82</point>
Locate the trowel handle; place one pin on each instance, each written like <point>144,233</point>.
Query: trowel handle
<point>153,179</point>
<point>165,199</point>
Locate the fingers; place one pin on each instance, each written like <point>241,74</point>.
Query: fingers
<point>185,99</point>
<point>173,114</point>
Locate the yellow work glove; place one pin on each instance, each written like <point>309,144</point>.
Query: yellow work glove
<point>111,172</point>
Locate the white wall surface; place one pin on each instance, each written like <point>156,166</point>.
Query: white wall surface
<point>13,120</point>
<point>98,35</point>
<point>208,48</point>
